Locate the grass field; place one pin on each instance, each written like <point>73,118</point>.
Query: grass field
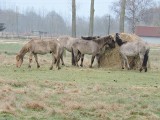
<point>76,93</point>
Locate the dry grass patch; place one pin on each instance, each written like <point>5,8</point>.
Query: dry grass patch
<point>35,105</point>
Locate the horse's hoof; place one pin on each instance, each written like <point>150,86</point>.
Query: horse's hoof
<point>59,68</point>
<point>81,65</point>
<point>122,67</point>
<point>90,66</point>
<point>145,69</point>
<point>38,66</point>
<point>51,68</point>
<point>29,66</point>
<point>129,68</point>
<point>73,64</point>
<point>63,64</point>
<point>140,69</point>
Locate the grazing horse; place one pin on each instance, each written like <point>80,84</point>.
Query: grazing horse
<point>92,47</point>
<point>133,49</point>
<point>42,47</point>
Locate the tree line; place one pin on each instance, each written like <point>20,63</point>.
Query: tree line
<point>134,12</point>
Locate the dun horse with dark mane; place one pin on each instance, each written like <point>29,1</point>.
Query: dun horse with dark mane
<point>135,48</point>
<point>92,47</point>
<point>42,47</point>
<point>67,42</point>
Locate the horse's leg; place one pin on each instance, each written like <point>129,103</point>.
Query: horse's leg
<point>98,60</point>
<point>128,66</point>
<point>58,61</point>
<point>122,61</point>
<point>54,61</point>
<point>82,58</point>
<point>61,57</point>
<point>125,59</point>
<point>78,54</point>
<point>92,60</point>
<point>75,57</point>
<point>30,60</point>
<point>36,59</point>
<point>141,62</point>
<point>62,60</point>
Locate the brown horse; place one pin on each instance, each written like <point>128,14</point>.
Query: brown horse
<point>92,47</point>
<point>42,47</point>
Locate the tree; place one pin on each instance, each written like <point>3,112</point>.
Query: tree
<point>122,16</point>
<point>134,11</point>
<point>2,26</point>
<point>91,23</point>
<point>73,18</point>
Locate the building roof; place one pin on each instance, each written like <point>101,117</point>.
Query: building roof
<point>146,31</point>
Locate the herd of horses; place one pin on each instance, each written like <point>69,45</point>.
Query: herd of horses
<point>80,46</point>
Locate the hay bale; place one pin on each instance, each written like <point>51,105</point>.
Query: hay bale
<point>111,57</point>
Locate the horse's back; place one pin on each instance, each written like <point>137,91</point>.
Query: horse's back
<point>85,47</point>
<point>43,46</point>
<point>67,42</point>
<point>134,48</point>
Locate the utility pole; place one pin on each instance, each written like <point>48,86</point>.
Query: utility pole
<point>17,21</point>
<point>109,22</point>
<point>91,23</point>
<point>73,18</point>
<point>122,16</point>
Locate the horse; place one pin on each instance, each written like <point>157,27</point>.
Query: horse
<point>92,47</point>
<point>133,49</point>
<point>67,42</point>
<point>42,47</point>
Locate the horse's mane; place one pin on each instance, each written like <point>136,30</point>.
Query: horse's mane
<point>24,49</point>
<point>90,37</point>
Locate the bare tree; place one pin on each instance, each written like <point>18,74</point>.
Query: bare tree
<point>2,26</point>
<point>135,10</point>
<point>73,18</point>
<point>91,23</point>
<point>122,16</point>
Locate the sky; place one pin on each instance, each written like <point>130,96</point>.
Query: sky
<point>62,7</point>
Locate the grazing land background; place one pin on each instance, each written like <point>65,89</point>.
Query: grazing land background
<point>76,93</point>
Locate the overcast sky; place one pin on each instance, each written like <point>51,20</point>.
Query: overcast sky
<point>62,7</point>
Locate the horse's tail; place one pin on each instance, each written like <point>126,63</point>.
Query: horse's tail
<point>73,58</point>
<point>144,64</point>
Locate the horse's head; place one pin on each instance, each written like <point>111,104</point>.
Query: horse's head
<point>110,41</point>
<point>19,60</point>
<point>119,40</point>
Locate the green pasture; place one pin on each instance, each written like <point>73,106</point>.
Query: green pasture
<point>73,93</point>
